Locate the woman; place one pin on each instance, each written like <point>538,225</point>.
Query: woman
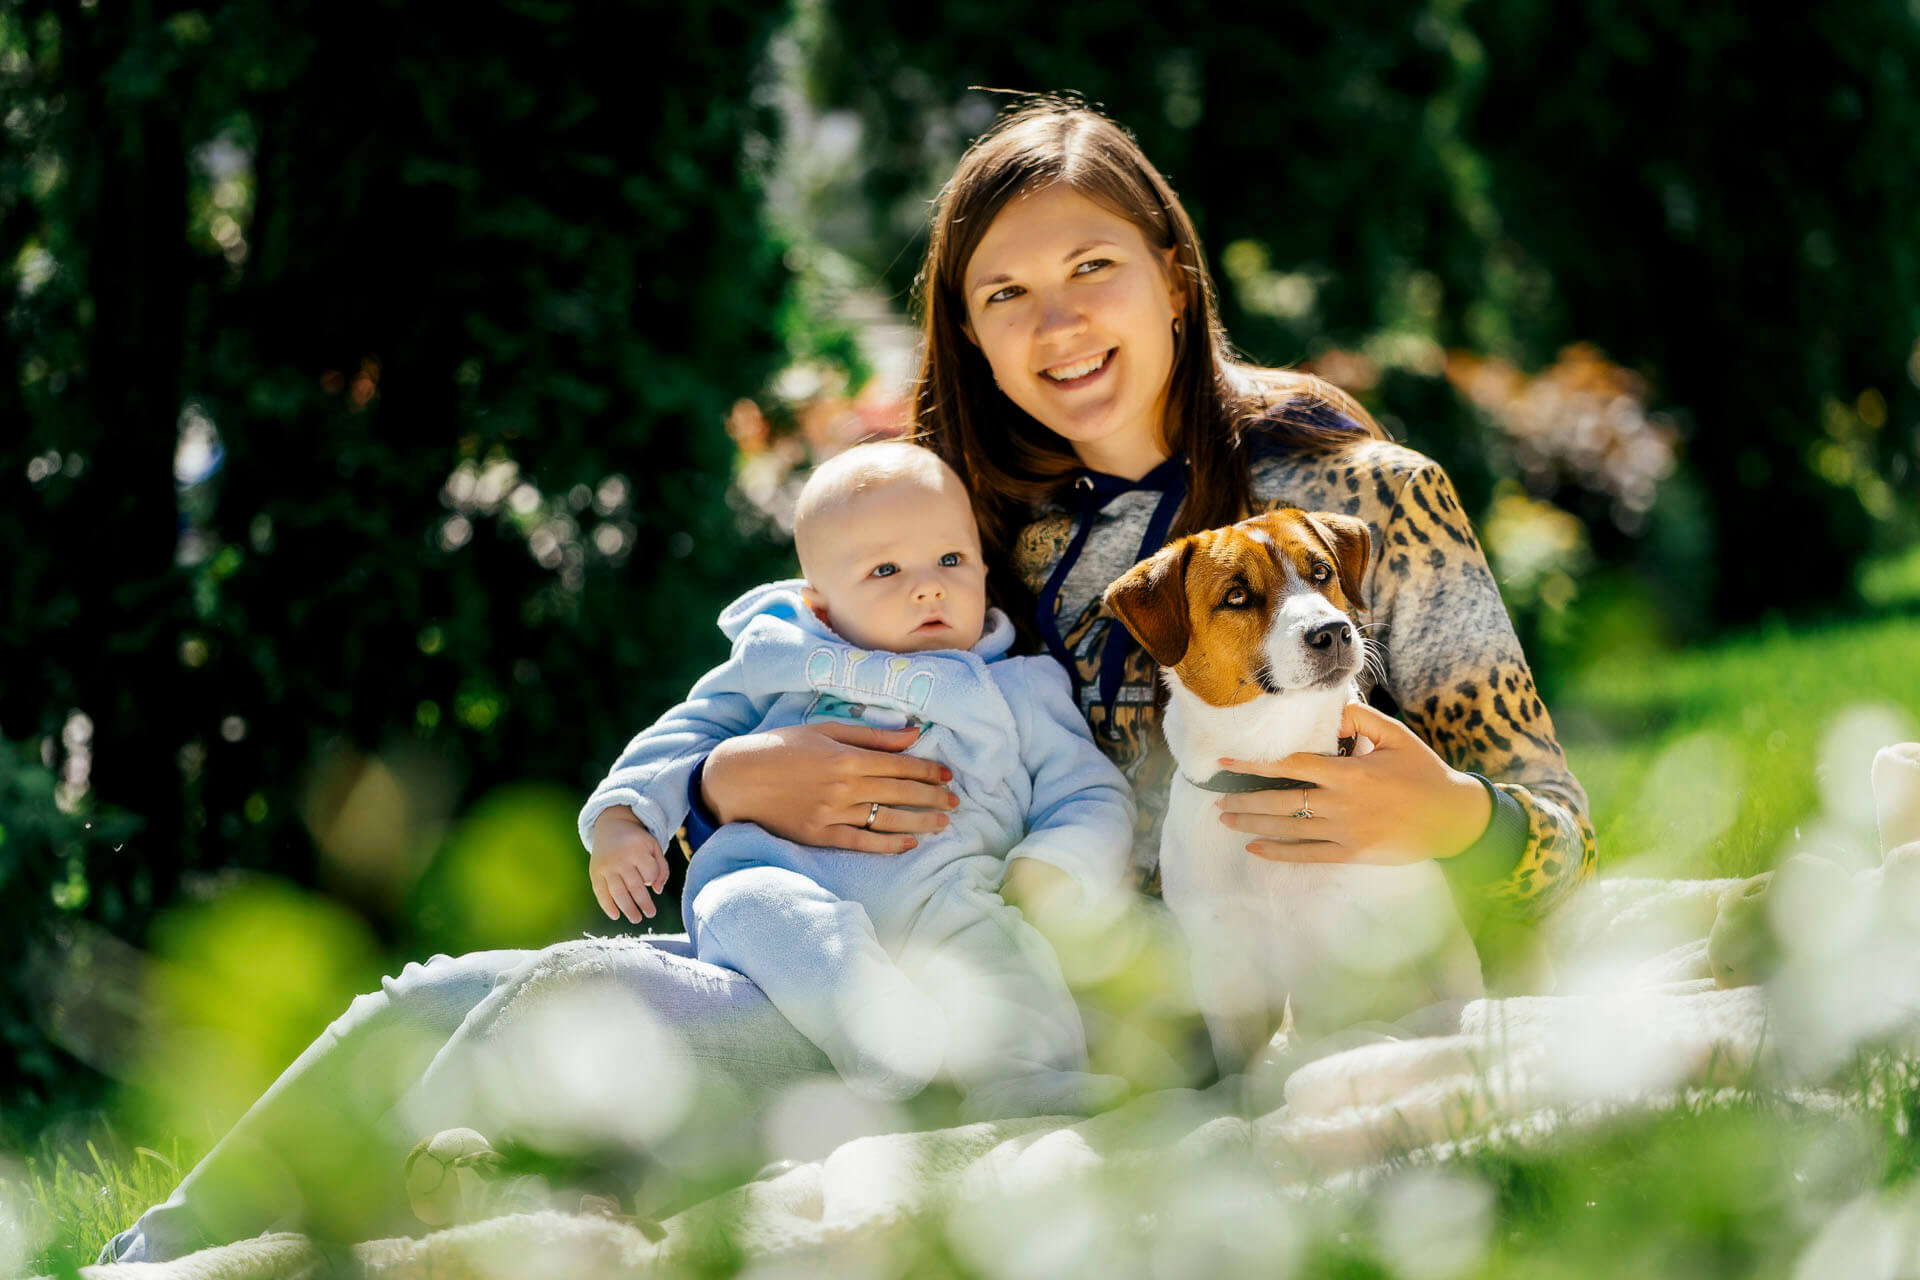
<point>1076,376</point>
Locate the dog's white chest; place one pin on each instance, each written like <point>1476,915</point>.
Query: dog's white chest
<point>1344,943</point>
<point>1210,865</point>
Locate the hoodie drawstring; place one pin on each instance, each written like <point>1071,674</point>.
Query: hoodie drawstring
<point>1096,490</point>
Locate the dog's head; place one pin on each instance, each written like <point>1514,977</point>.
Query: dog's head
<point>1260,607</point>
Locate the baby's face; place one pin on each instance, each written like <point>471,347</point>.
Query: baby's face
<point>897,567</point>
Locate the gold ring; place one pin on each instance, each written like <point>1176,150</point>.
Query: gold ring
<point>873,811</point>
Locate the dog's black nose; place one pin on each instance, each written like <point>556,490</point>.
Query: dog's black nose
<point>1329,634</point>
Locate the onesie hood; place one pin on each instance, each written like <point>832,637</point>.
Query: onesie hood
<point>782,600</point>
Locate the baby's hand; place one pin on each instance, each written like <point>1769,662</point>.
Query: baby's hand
<point>626,862</point>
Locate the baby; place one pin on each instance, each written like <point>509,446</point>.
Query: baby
<point>906,967</point>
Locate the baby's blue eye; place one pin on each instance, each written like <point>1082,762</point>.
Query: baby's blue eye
<point>950,560</point>
<point>886,570</point>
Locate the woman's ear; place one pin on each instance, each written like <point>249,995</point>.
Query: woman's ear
<point>1176,279</point>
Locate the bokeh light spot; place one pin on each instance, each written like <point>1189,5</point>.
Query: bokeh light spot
<point>512,874</point>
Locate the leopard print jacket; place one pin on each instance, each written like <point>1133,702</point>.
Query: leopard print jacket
<point>1444,653</point>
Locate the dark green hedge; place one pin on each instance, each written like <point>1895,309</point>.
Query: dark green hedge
<point>360,243</point>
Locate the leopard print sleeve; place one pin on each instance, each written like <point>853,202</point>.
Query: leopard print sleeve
<point>1454,665</point>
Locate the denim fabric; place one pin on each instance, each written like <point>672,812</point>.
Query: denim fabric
<point>335,1109</point>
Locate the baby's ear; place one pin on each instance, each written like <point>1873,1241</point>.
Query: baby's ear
<point>816,602</point>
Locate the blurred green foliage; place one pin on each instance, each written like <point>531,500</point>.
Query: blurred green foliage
<point>44,856</point>
<point>208,1055</point>
<point>364,381</point>
<point>508,876</point>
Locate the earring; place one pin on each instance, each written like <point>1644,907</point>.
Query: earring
<point>1176,326</point>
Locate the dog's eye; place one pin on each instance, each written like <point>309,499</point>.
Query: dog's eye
<point>1237,598</point>
<point>1321,571</point>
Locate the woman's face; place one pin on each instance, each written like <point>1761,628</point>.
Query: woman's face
<point>1074,311</point>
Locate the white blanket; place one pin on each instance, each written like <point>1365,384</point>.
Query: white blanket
<point>1641,1025</point>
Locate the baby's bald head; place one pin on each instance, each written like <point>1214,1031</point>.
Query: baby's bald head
<point>890,550</point>
<point>836,483</point>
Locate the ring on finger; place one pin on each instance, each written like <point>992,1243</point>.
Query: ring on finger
<point>873,811</point>
<point>1302,812</point>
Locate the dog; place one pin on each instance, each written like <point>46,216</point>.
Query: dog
<point>1253,628</point>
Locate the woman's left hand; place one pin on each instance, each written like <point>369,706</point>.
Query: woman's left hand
<point>1392,802</point>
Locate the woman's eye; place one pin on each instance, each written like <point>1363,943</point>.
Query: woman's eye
<point>1237,598</point>
<point>950,560</point>
<point>884,570</point>
<point>1091,265</point>
<point>1011,291</point>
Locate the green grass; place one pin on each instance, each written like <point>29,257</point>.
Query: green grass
<point>1708,762</point>
<point>1736,1184</point>
<point>1715,762</point>
<point>79,1186</point>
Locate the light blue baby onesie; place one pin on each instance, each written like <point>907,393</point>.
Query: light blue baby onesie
<point>899,968</point>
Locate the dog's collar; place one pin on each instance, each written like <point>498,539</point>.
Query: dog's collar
<point>1227,782</point>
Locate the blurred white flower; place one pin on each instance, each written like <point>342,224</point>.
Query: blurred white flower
<point>813,1118</point>
<point>1434,1223</point>
<point>1691,795</point>
<point>1876,1237</point>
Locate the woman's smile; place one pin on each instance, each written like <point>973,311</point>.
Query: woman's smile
<point>1081,373</point>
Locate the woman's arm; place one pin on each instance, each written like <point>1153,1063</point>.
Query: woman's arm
<point>1463,685</point>
<point>815,784</point>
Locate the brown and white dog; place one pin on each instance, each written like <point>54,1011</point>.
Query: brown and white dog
<point>1252,627</point>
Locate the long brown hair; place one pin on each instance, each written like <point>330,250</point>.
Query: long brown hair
<point>1216,403</point>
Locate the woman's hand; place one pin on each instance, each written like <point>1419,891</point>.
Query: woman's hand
<point>816,784</point>
<point>1392,802</point>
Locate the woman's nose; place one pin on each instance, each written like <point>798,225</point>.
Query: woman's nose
<point>1060,316</point>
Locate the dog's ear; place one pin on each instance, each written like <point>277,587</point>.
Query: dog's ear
<point>1350,541</point>
<point>1150,599</point>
